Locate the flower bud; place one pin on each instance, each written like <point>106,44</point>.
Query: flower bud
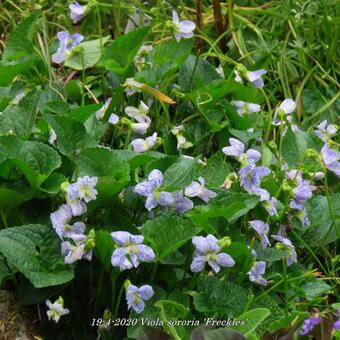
<point>225,242</point>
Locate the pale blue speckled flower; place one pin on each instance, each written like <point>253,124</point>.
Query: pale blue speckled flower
<point>60,221</point>
<point>245,108</point>
<point>271,206</point>
<point>236,149</point>
<point>262,230</point>
<point>77,11</point>
<point>255,77</point>
<point>150,190</point>
<point>181,203</point>
<point>331,159</point>
<point>135,297</point>
<point>288,106</point>
<point>66,43</point>
<point>256,272</point>
<point>141,145</point>
<point>131,251</point>
<point>83,189</point>
<point>326,131</point>
<point>198,189</point>
<point>183,29</point>
<point>302,193</point>
<point>207,251</point>
<point>77,250</point>
<point>309,324</point>
<point>250,180</point>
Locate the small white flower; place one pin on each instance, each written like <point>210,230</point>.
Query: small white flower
<point>182,143</point>
<point>184,28</point>
<point>142,145</point>
<point>101,112</point>
<point>245,108</point>
<point>56,309</point>
<point>131,86</point>
<point>140,113</point>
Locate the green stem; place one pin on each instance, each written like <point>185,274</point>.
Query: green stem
<point>4,220</point>
<point>285,283</point>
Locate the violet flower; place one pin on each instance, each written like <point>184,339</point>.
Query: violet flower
<point>262,230</point>
<point>309,324</point>
<point>256,272</point>
<point>66,44</point>
<point>183,29</point>
<point>198,189</point>
<point>56,310</point>
<point>135,297</point>
<point>150,190</point>
<point>287,244</point>
<point>141,145</point>
<point>131,251</point>
<point>326,131</point>
<point>236,149</point>
<point>244,108</point>
<point>181,204</point>
<point>331,159</point>
<point>77,11</point>
<point>208,251</point>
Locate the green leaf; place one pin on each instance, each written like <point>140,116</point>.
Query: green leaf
<point>104,247</point>
<point>219,296</point>
<point>271,254</point>
<point>179,175</point>
<point>321,230</point>
<point>20,118</point>
<point>215,171</point>
<point>228,204</point>
<point>171,311</point>
<point>86,54</point>
<point>295,144</point>
<point>219,334</point>
<point>117,55</point>
<point>8,70</point>
<point>81,114</point>
<point>253,319</point>
<point>35,250</point>
<point>112,171</point>
<point>20,40</point>
<point>36,160</point>
<point>168,227</point>
<point>71,135</point>
<point>10,198</point>
<point>315,288</point>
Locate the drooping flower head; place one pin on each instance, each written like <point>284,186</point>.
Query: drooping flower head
<point>135,297</point>
<point>250,180</point>
<point>60,221</point>
<point>244,108</point>
<point>130,251</point>
<point>302,193</point>
<point>236,149</point>
<point>140,113</point>
<point>142,145</point>
<point>79,247</point>
<point>77,11</point>
<point>198,189</point>
<point>101,112</point>
<point>66,44</point>
<point>255,77</point>
<point>309,324</point>
<point>287,244</point>
<point>131,86</point>
<point>208,251</point>
<point>262,230</point>
<point>271,206</point>
<point>331,159</point>
<point>256,272</point>
<point>284,110</point>
<point>150,190</point>
<point>178,132</point>
<point>183,29</point>
<point>56,310</point>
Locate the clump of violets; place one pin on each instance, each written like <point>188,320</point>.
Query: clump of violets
<point>330,158</point>
<point>67,43</point>
<point>198,189</point>
<point>75,243</point>
<point>286,243</point>
<point>326,131</point>
<point>130,251</point>
<point>244,108</point>
<point>77,11</point>
<point>309,324</point>
<point>178,132</point>
<point>256,273</point>
<point>262,230</point>
<point>151,190</point>
<point>237,148</point>
<point>208,251</point>
<point>136,296</point>
<point>142,145</point>
<point>182,29</point>
<point>56,310</point>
